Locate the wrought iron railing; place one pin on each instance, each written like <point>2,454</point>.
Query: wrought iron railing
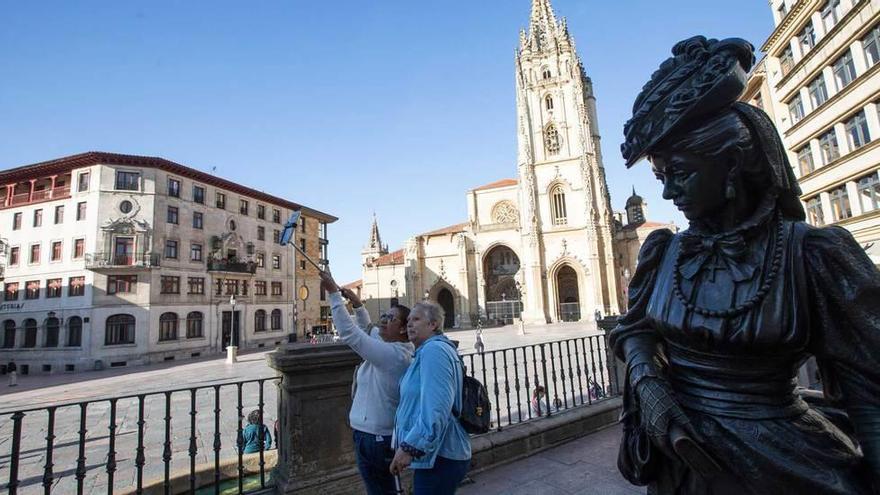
<point>145,441</point>
<point>126,443</point>
<point>113,260</point>
<point>572,373</point>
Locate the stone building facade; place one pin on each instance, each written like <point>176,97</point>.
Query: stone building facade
<point>632,228</point>
<point>539,246</point>
<point>112,260</point>
<point>820,81</point>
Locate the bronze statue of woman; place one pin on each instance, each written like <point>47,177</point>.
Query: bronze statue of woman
<point>723,314</point>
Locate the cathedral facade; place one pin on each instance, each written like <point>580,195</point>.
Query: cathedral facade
<point>540,246</point>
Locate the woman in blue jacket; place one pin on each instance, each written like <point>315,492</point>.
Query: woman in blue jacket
<point>250,436</point>
<point>428,437</point>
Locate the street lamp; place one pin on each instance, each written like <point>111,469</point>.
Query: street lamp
<point>521,292</point>
<point>231,349</point>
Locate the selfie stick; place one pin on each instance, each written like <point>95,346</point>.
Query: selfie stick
<point>288,234</point>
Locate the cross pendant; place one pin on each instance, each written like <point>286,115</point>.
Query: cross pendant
<point>715,266</point>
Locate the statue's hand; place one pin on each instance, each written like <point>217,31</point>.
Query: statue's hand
<point>660,411</point>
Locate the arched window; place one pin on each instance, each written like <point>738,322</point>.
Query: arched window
<point>557,205</point>
<point>551,139</point>
<point>30,332</point>
<point>8,334</point>
<point>74,331</point>
<point>168,327</point>
<point>548,102</point>
<point>119,329</point>
<point>276,319</point>
<point>194,325</point>
<point>53,328</point>
<point>546,74</point>
<point>260,321</point>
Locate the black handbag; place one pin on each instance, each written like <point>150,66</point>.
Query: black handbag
<point>638,458</point>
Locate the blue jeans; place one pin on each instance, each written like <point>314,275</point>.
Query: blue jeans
<point>373,461</point>
<point>442,479</point>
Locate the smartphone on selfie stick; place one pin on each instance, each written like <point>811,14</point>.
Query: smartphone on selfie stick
<point>288,234</point>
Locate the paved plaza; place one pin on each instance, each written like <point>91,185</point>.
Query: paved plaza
<point>586,466</point>
<point>43,391</point>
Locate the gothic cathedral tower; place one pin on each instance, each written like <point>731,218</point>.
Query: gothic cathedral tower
<point>374,247</point>
<point>565,208</point>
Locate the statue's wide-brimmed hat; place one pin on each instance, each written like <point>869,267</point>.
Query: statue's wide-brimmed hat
<point>702,77</point>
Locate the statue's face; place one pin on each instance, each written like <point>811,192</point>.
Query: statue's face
<point>695,186</point>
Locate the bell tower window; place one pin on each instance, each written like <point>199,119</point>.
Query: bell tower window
<point>551,139</point>
<point>546,74</point>
<point>548,102</point>
<point>557,205</point>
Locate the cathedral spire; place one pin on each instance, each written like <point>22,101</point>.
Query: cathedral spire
<point>374,248</point>
<point>375,239</point>
<point>543,28</point>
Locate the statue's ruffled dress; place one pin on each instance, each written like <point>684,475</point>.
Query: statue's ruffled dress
<point>735,377</point>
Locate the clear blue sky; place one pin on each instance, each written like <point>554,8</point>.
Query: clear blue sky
<point>350,107</point>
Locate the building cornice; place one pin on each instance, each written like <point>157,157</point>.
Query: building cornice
<point>856,9</point>
<point>790,22</point>
<point>754,83</point>
<point>873,214</point>
<point>68,163</point>
<point>829,102</point>
<point>815,174</point>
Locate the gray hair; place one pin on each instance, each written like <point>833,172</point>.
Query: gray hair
<point>433,311</point>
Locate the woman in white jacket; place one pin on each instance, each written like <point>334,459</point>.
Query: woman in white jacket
<point>387,353</point>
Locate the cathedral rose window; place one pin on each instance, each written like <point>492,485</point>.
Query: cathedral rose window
<point>504,212</point>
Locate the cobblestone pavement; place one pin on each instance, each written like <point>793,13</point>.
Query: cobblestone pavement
<point>43,391</point>
<point>587,465</point>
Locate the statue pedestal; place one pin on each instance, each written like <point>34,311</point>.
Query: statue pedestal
<point>316,453</point>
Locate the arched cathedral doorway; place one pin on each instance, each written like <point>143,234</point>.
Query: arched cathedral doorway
<point>503,303</point>
<point>447,302</point>
<point>569,305</point>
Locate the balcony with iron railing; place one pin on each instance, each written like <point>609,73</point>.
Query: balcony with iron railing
<point>232,265</point>
<point>99,261</point>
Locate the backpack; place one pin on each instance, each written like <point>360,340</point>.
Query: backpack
<point>475,405</point>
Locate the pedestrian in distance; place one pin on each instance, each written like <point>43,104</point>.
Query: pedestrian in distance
<point>479,345</point>
<point>387,353</point>
<point>250,435</point>
<point>538,406</point>
<point>428,435</point>
<point>12,370</point>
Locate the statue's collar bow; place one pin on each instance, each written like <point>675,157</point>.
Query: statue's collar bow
<point>731,250</point>
<point>728,251</point>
